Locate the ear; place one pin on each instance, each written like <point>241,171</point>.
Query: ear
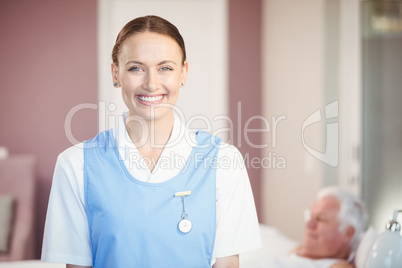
<point>184,71</point>
<point>115,74</point>
<point>348,233</point>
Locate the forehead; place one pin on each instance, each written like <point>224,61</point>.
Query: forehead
<point>150,46</point>
<point>329,204</point>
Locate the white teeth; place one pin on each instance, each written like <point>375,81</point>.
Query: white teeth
<point>151,99</point>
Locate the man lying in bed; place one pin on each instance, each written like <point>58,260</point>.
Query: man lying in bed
<point>334,226</point>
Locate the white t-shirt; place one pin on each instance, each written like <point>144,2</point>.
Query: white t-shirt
<point>66,237</point>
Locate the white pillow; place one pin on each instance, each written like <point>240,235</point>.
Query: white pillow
<point>364,247</point>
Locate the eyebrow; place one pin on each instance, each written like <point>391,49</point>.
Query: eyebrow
<point>160,63</point>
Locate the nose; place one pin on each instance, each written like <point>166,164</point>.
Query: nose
<point>311,223</point>
<point>152,81</point>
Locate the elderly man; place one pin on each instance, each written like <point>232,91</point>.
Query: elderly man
<point>334,226</point>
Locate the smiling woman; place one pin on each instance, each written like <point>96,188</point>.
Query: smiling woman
<point>108,210</point>
<point>150,70</point>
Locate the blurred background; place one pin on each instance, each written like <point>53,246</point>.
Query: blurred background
<point>268,65</point>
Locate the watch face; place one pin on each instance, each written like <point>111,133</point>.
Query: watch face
<point>185,226</point>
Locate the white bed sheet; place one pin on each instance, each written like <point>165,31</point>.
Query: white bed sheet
<point>275,246</point>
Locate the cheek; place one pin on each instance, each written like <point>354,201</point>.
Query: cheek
<point>171,80</point>
<point>172,84</point>
<point>331,235</point>
<point>131,85</point>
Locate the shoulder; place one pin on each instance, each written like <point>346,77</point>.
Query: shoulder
<point>72,157</point>
<point>228,157</point>
<point>230,165</point>
<point>68,176</point>
<point>229,152</point>
<point>227,148</point>
<point>231,174</point>
<point>231,169</point>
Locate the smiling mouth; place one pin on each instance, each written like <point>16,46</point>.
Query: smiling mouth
<point>150,100</point>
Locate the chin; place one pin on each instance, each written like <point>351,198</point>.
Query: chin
<point>311,245</point>
<point>155,115</point>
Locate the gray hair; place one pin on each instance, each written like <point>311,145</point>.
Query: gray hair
<point>352,212</point>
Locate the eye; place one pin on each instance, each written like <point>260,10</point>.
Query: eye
<point>166,68</point>
<point>135,69</point>
<point>322,218</point>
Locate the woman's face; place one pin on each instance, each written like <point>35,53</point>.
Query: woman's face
<point>150,73</point>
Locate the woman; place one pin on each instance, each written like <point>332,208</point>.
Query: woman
<point>116,203</point>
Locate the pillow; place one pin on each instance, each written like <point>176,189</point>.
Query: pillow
<point>6,216</point>
<point>364,247</point>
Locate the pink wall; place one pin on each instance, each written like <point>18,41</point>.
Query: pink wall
<point>48,65</point>
<point>245,19</point>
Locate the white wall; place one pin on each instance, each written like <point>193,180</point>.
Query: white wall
<point>293,74</point>
<point>382,124</point>
<point>311,59</point>
<point>203,27</point>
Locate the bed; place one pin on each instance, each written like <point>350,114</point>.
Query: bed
<point>276,248</point>
<point>275,245</point>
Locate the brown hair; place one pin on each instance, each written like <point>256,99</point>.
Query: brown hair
<point>150,23</point>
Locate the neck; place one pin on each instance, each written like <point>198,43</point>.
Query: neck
<point>151,134</point>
